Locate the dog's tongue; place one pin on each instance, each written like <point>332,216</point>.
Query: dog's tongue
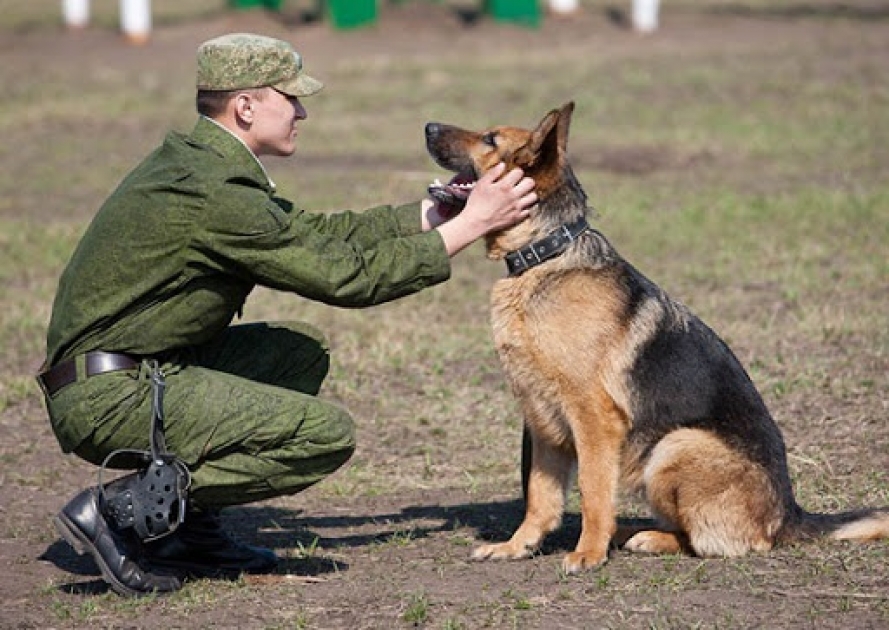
<point>454,194</point>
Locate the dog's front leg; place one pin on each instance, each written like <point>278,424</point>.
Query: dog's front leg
<point>598,439</point>
<point>551,469</point>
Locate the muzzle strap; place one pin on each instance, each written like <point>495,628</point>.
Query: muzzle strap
<point>153,501</point>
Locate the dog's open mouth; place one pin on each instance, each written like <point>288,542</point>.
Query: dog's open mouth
<point>455,193</point>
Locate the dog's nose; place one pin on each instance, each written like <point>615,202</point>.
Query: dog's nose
<point>432,129</point>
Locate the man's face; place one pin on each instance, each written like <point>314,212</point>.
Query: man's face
<point>274,124</point>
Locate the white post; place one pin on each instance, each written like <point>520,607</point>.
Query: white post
<point>645,15</point>
<point>563,7</point>
<point>135,20</point>
<point>76,13</point>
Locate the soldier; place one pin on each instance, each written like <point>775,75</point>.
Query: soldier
<point>157,279</point>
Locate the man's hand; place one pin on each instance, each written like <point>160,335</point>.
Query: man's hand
<point>499,201</point>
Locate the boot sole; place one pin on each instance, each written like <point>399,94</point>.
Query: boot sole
<point>83,545</point>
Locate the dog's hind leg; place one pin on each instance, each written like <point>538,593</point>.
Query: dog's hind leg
<point>714,501</point>
<point>654,541</point>
<point>550,472</point>
<point>527,450</point>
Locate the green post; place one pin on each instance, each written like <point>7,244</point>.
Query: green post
<point>346,14</point>
<point>273,5</point>
<point>525,12</point>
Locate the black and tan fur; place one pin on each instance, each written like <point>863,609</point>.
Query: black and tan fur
<point>626,386</point>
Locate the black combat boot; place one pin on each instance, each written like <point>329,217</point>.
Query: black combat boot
<point>199,548</point>
<point>116,553</point>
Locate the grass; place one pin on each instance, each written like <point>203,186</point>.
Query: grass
<point>759,198</point>
<point>416,609</point>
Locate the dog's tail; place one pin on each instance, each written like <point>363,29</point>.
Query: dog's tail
<point>860,525</point>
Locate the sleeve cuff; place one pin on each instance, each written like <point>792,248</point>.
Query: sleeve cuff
<point>407,217</point>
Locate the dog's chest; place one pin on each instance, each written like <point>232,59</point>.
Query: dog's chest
<point>517,320</point>
<point>555,329</point>
<point>531,361</point>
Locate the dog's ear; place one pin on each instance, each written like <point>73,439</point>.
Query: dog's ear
<point>563,125</point>
<point>549,140</point>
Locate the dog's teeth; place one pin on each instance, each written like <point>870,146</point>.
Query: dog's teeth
<point>437,182</point>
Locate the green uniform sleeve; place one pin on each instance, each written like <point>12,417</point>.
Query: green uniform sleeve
<point>347,259</point>
<point>370,226</point>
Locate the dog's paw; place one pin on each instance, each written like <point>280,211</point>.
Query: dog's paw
<point>501,551</point>
<point>653,541</point>
<point>578,561</point>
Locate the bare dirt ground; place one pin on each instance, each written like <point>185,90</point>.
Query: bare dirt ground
<point>400,559</point>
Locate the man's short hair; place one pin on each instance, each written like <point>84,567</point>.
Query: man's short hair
<point>212,103</point>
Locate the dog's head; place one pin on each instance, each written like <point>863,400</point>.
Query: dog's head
<point>539,152</point>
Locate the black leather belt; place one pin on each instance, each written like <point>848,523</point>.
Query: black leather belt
<point>65,373</point>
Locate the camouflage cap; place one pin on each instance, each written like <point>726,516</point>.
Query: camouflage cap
<point>243,60</point>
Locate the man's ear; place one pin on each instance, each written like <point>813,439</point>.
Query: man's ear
<point>242,107</point>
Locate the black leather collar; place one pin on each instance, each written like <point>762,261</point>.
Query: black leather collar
<point>550,246</point>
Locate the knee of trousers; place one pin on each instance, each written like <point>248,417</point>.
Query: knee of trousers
<point>338,437</point>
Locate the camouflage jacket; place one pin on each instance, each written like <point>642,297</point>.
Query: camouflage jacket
<point>171,256</point>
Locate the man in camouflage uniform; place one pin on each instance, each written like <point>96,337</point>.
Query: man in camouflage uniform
<point>161,272</point>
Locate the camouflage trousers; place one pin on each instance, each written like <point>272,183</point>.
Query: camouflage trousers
<point>241,411</point>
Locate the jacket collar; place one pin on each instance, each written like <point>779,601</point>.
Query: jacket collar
<point>210,133</point>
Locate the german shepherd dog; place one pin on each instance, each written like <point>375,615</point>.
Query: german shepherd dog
<point>621,383</point>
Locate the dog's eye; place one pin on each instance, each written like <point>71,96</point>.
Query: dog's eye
<point>490,139</point>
